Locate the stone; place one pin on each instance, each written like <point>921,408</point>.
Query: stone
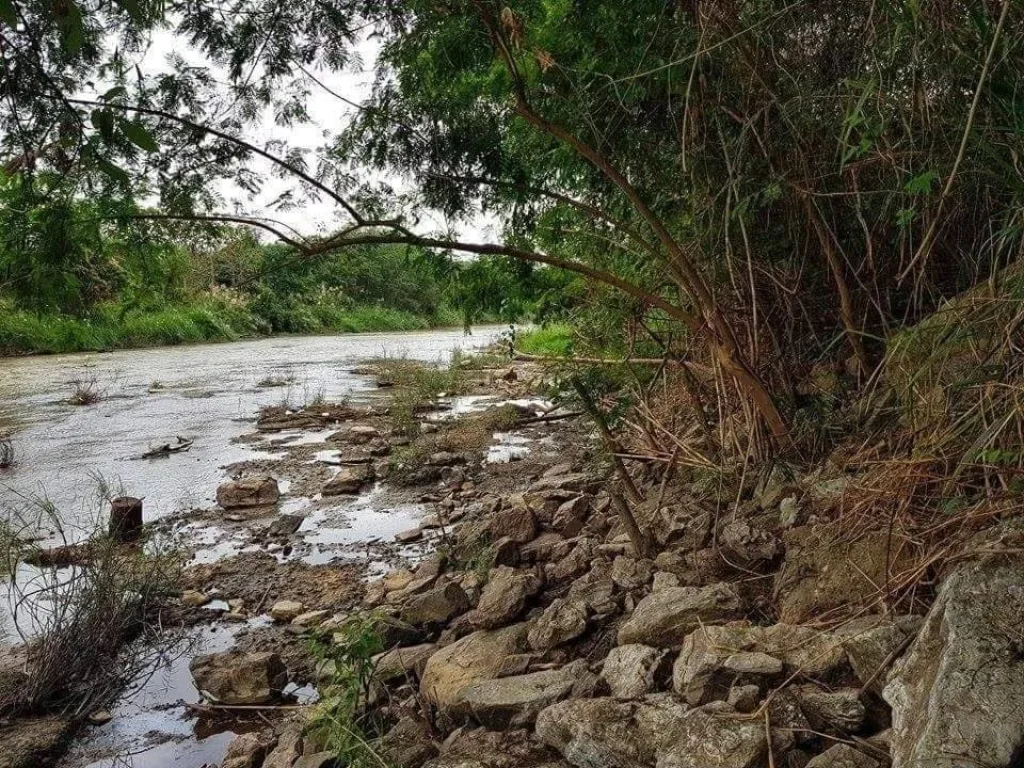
<point>823,571</point>
<point>506,552</point>
<point>286,610</point>
<point>246,750</point>
<point>475,657</point>
<point>318,760</point>
<point>663,619</point>
<point>288,749</point>
<point>556,470</point>
<point>664,580</point>
<point>402,662</point>
<point>254,491</point>
<point>409,536</point>
<point>789,512</point>
<point>631,573</point>
<point>445,459</point>
<point>632,671</point>
<point>236,677</point>
<point>562,621</point>
<point>573,564</point>
<point>504,596</point>
<point>359,434</point>
<point>580,482</point>
<point>701,672</point>
<point>193,598</point>
<point>436,606</point>
<point>283,526</point>
<point>406,745</point>
<point>514,702</point>
<point>515,523</point>
<point>99,717</point>
<point>608,733</point>
<point>471,747</point>
<point>33,742</point>
<point>349,480</point>
<point>959,690</point>
<point>570,515</point>
<point>397,580</point>
<point>746,544</point>
<point>871,642</point>
<point>843,756</point>
<point>744,698</point>
<point>311,618</point>
<point>840,709</point>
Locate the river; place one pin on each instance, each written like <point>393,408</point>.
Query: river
<point>209,393</point>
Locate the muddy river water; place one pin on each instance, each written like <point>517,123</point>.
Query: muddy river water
<point>210,394</point>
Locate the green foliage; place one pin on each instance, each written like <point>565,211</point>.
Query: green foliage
<point>554,340</point>
<point>339,723</point>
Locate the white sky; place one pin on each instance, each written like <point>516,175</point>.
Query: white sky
<point>328,115</point>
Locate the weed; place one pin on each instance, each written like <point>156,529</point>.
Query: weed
<point>553,340</point>
<point>342,722</point>
<point>271,382</point>
<point>86,392</point>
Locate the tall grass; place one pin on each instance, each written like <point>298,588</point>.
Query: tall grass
<point>112,326</point>
<point>554,340</point>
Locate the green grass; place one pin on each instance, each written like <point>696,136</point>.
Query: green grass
<point>111,326</point>
<point>554,340</point>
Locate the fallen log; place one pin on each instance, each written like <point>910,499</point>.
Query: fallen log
<point>167,449</point>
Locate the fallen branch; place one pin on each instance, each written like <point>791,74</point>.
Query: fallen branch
<point>704,370</point>
<point>167,449</point>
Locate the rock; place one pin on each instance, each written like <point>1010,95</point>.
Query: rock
<point>681,525</point>
<point>843,756</point>
<point>664,619</point>
<point>478,656</point>
<point>960,689</point>
<point>580,482</point>
<point>193,598</point>
<point>664,580</point>
<point>789,512</point>
<point>246,750</point>
<point>560,622</point>
<point>350,479</point>
<point>746,544</point>
<point>632,671</point>
<point>445,459</point>
<point>283,526</point>
<point>288,749</point>
<point>744,698</point>
<point>482,748</point>
<point>822,571</point>
<point>630,573</point>
<point>360,434</point>
<point>311,618</point>
<point>506,552</point>
<point>514,702</point>
<point>515,523</point>
<point>871,641</point>
<point>436,606</point>
<point>402,662</point>
<point>33,742</point>
<point>236,677</point>
<point>255,491</point>
<point>606,733</point>
<point>286,610</point>
<point>318,760</point>
<point>701,672</point>
<point>409,536</point>
<point>840,709</point>
<point>700,676</point>
<point>406,745</point>
<point>571,515</point>
<point>556,470</point>
<point>398,579</point>
<point>504,596</point>
<point>100,717</point>
<point>575,563</point>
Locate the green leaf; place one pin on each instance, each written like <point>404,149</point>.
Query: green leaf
<point>103,121</point>
<point>73,29</point>
<point>7,13</point>
<point>113,93</point>
<point>115,173</point>
<point>140,136</point>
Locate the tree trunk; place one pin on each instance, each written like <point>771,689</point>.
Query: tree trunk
<point>125,518</point>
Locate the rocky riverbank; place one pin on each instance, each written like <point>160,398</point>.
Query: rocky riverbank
<point>521,624</point>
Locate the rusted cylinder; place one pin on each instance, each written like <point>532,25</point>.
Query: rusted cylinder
<point>125,518</point>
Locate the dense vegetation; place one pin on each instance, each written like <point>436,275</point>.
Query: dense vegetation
<point>810,209</point>
<point>71,279</point>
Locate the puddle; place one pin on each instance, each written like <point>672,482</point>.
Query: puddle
<point>509,447</point>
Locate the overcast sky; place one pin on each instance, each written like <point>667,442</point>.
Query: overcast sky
<point>328,115</point>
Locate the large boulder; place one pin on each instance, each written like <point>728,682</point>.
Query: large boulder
<point>517,523</point>
<point>843,756</point>
<point>514,702</point>
<point>872,642</point>
<point>958,694</point>
<point>349,480</point>
<point>714,657</point>
<point>504,596</point>
<point>236,677</point>
<point>402,662</point>
<point>246,750</point>
<point>254,491</point>
<point>562,621</point>
<point>436,606</point>
<point>840,709</point>
<point>407,745</point>
<point>663,619</point>
<point>478,656</point>
<point>608,733</point>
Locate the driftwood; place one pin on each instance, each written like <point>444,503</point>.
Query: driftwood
<point>59,557</point>
<point>167,449</point>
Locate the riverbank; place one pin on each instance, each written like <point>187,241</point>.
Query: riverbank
<point>209,320</point>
